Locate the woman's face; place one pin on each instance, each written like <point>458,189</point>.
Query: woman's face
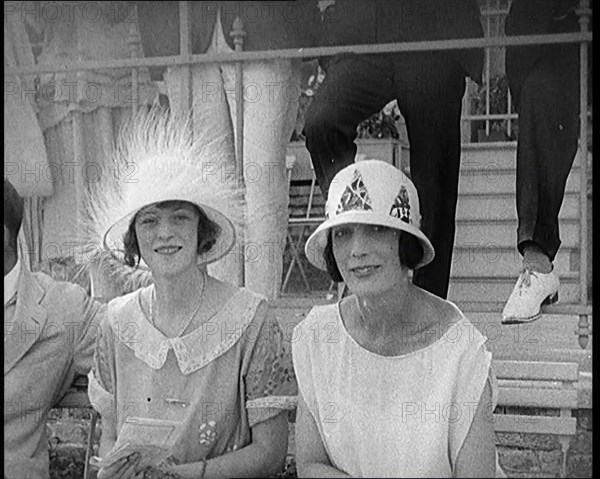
<point>367,257</point>
<point>167,235</point>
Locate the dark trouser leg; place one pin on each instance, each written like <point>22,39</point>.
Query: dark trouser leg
<point>354,88</point>
<point>429,96</point>
<point>548,109</point>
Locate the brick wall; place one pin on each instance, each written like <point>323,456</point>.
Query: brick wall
<point>533,455</point>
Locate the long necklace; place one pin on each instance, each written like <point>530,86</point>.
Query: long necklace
<point>189,321</point>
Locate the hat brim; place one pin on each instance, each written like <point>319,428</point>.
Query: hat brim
<point>113,238</point>
<point>316,243</point>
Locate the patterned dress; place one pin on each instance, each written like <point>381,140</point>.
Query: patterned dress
<point>229,374</point>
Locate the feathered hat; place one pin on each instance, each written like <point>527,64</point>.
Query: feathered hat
<point>157,159</point>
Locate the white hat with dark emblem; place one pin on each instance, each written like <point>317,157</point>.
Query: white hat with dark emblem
<point>370,192</point>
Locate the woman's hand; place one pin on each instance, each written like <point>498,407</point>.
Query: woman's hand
<point>177,470</point>
<point>124,468</point>
<point>169,468</point>
<point>152,472</point>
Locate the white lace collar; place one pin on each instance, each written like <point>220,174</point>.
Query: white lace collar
<point>194,350</point>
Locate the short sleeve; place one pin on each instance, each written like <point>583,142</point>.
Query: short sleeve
<point>302,361</point>
<point>474,371</point>
<point>270,382</point>
<point>102,377</point>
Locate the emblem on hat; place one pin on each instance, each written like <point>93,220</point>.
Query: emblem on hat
<point>355,196</point>
<point>401,207</point>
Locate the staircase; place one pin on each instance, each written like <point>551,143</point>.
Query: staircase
<point>486,262</point>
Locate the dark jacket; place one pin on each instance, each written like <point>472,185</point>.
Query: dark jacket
<point>538,17</point>
<point>357,22</point>
<point>268,25</point>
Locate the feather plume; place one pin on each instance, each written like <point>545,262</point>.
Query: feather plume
<point>155,159</point>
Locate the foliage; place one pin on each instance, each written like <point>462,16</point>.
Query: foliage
<point>66,462</point>
<point>498,88</point>
<point>380,125</point>
<point>498,95</point>
<point>289,469</point>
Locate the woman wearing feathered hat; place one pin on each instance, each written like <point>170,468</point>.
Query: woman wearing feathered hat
<point>188,351</point>
<point>393,381</point>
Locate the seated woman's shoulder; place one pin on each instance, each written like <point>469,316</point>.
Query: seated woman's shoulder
<point>221,293</point>
<point>446,311</point>
<point>126,305</point>
<point>128,298</point>
<point>217,294</point>
<point>222,290</point>
<point>323,317</point>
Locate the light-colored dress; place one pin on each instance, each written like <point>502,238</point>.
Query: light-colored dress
<point>219,380</point>
<point>398,416</point>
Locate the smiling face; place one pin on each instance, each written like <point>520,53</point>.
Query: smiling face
<point>367,257</point>
<point>167,235</point>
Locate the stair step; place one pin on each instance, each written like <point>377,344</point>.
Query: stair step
<point>502,207</point>
<point>503,233</point>
<point>499,289</point>
<point>492,156</point>
<point>489,155</point>
<point>499,263</point>
<point>494,180</point>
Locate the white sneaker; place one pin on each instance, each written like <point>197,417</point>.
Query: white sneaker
<point>531,291</point>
